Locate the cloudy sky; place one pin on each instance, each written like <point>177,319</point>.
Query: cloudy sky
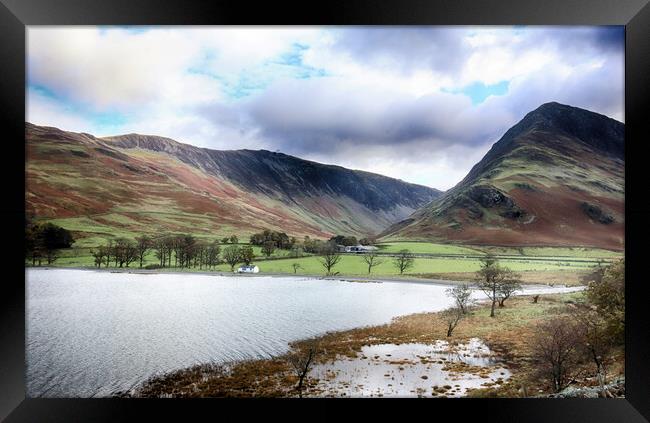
<point>422,104</point>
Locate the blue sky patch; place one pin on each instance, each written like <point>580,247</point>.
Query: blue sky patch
<point>288,65</point>
<point>479,92</point>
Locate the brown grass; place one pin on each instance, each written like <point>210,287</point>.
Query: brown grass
<point>508,335</point>
<point>545,277</point>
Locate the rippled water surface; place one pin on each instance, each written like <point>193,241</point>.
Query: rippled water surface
<point>92,333</point>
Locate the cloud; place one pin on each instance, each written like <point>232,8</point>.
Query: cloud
<point>322,113</point>
<point>114,69</point>
<point>405,48</point>
<point>422,102</point>
<point>44,110</point>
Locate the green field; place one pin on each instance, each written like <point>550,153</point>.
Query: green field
<point>573,252</point>
<point>451,249</point>
<point>426,248</point>
<point>353,265</point>
<point>96,230</point>
<point>555,263</point>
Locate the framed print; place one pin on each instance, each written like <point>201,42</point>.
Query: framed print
<point>357,203</point>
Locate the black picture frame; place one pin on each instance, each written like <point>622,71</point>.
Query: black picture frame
<point>15,15</point>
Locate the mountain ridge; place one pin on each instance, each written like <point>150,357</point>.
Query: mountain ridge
<point>252,189</point>
<point>554,178</point>
<point>546,180</point>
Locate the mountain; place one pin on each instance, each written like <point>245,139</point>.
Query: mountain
<point>134,183</point>
<point>555,178</point>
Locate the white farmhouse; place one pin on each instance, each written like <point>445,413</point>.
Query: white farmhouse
<point>248,269</point>
<point>360,248</point>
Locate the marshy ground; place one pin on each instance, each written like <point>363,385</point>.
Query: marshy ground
<point>411,356</point>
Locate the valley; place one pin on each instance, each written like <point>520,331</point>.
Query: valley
<point>546,204</point>
<point>326,211</point>
<point>547,200</point>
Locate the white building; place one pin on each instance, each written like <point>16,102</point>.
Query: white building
<point>248,269</point>
<point>360,248</point>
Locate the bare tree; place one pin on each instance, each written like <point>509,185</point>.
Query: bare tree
<point>109,252</point>
<point>108,249</point>
<point>143,245</point>
<point>371,259</point>
<point>462,296</point>
<point>555,351</point>
<point>452,317</point>
<point>508,286</point>
<point>301,362</point>
<point>491,277</point>
<point>176,245</point>
<point>268,248</point>
<point>125,252</point>
<point>36,254</point>
<point>118,251</point>
<point>201,254</point>
<point>403,261</point>
<point>213,254</point>
<point>232,256</point>
<point>595,341</point>
<point>99,254</point>
<point>296,266</point>
<point>329,258</point>
<point>184,250</point>
<point>170,242</point>
<point>34,246</point>
<point>162,248</point>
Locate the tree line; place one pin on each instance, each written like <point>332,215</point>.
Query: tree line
<point>275,239</point>
<point>184,251</point>
<point>269,241</point>
<point>43,242</point>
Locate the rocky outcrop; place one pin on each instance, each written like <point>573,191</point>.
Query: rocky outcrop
<point>491,198</point>
<point>596,213</point>
<point>616,388</point>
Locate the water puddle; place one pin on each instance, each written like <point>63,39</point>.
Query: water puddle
<point>409,370</point>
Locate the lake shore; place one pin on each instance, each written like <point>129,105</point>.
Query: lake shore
<point>232,319</point>
<point>507,336</point>
<point>464,278</point>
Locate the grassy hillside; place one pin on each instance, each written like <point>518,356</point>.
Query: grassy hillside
<point>556,178</point>
<point>102,188</point>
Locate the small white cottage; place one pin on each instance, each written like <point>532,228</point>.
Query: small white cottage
<point>248,269</point>
<point>360,248</point>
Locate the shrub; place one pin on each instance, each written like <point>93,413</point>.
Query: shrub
<point>555,351</point>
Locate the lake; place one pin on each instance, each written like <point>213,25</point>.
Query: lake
<point>93,333</point>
